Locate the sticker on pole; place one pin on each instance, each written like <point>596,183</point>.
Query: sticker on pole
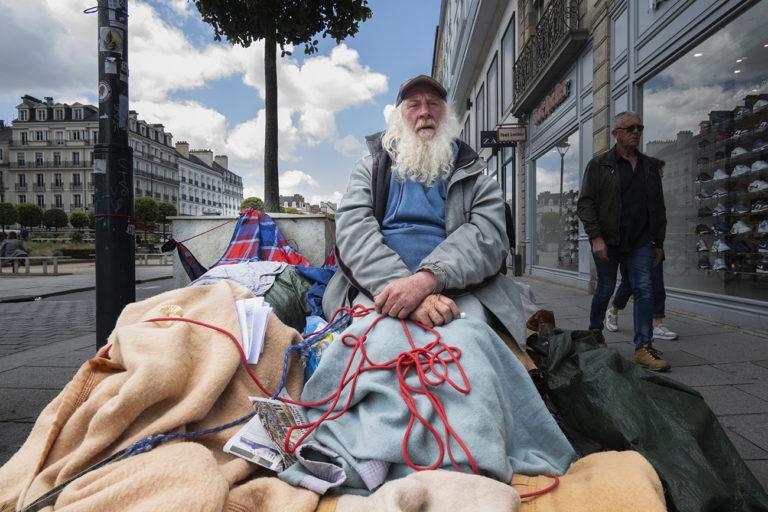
<point>110,66</point>
<point>105,91</point>
<point>130,229</point>
<point>100,166</point>
<point>111,40</point>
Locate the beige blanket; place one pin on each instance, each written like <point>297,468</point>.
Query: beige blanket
<point>160,378</point>
<point>180,377</point>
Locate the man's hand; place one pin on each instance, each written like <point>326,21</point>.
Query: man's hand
<point>659,256</point>
<point>435,310</point>
<point>599,248</point>
<point>401,296</point>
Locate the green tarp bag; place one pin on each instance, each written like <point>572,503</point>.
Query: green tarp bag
<point>621,406</point>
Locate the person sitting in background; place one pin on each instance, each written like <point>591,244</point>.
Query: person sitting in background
<point>12,248</point>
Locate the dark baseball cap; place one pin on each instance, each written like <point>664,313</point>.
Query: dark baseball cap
<point>424,80</point>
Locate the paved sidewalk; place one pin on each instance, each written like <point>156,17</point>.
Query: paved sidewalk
<point>728,366</point>
<point>79,277</point>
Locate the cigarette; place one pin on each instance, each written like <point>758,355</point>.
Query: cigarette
<point>462,315</point>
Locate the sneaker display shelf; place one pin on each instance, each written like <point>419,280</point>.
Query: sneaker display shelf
<point>730,188</point>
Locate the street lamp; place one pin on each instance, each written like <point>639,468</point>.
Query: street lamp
<point>562,148</point>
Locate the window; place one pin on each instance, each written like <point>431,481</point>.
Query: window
<point>22,180</point>
<point>76,179</point>
<point>39,160</point>
<point>59,137</point>
<point>479,115</point>
<point>75,158</point>
<point>58,114</point>
<point>56,159</point>
<point>40,180</point>
<point>23,114</point>
<point>721,132</point>
<point>21,159</point>
<point>58,203</point>
<point>492,81</point>
<point>41,201</point>
<point>95,136</point>
<point>41,135</point>
<point>77,114</point>
<point>508,175</point>
<point>507,65</point>
<point>57,179</point>
<point>557,190</point>
<point>75,135</point>
<point>41,114</point>
<point>24,138</point>
<point>1,154</point>
<point>22,199</point>
<point>77,201</point>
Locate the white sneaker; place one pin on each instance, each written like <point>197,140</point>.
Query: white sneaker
<point>611,320</point>
<point>660,332</point>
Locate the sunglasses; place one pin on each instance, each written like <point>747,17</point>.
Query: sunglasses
<point>632,128</point>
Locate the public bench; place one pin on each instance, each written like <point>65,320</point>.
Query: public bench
<point>162,259</point>
<point>26,261</point>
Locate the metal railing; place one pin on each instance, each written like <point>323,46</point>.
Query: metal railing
<point>559,19</point>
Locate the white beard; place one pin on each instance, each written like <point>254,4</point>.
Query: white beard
<point>418,159</point>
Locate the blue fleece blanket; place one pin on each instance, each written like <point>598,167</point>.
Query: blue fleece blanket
<point>503,421</point>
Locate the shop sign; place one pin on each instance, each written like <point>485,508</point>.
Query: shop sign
<point>553,100</point>
<point>488,139</point>
<point>508,134</point>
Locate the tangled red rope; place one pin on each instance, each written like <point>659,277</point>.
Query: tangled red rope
<point>429,362</point>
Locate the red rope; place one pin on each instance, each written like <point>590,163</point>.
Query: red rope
<point>208,230</point>
<point>433,358</point>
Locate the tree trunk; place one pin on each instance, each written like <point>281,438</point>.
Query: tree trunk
<point>271,185</point>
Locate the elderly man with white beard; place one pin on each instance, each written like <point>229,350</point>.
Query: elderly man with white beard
<point>421,230</point>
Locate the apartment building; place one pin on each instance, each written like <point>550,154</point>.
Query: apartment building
<point>155,169</point>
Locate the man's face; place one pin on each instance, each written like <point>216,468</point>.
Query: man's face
<point>628,131</point>
<point>423,110</point>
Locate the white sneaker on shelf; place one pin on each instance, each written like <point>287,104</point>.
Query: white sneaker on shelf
<point>611,320</point>
<point>660,332</point>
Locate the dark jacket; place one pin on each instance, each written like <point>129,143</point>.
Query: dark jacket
<point>599,205</point>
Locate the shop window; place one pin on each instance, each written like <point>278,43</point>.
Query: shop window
<point>507,64</point>
<point>557,190</point>
<point>508,175</point>
<point>479,115</point>
<point>706,116</point>
<point>492,83</point>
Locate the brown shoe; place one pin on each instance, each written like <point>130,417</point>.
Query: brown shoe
<point>599,338</point>
<point>650,358</point>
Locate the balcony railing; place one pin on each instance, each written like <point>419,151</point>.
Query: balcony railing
<point>57,187</point>
<point>38,187</point>
<point>547,53</point>
<point>75,186</point>
<point>76,206</point>
<point>20,188</point>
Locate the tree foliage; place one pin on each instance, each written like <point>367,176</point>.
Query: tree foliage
<point>8,215</point>
<point>280,23</point>
<point>55,218</point>
<point>146,210</point>
<point>79,220</point>
<point>252,202</point>
<point>165,210</point>
<point>30,215</point>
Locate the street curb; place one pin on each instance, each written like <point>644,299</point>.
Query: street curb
<point>31,298</point>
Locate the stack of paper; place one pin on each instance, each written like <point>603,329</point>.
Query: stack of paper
<point>253,315</point>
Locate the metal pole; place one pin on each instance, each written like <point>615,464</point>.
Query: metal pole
<point>113,173</point>
<point>560,208</point>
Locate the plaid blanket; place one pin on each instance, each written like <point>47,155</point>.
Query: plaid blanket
<point>256,238</point>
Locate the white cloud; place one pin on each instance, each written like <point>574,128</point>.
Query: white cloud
<point>296,182</point>
<point>349,146</point>
<point>388,109</point>
<point>180,7</point>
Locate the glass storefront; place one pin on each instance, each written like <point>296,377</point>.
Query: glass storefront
<point>706,116</point>
<point>557,190</point>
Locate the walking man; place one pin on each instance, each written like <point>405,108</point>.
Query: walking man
<point>621,205</point>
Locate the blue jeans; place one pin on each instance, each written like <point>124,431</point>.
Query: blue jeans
<point>639,263</point>
<point>622,295</point>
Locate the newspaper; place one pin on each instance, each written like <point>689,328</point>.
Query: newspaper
<point>261,440</point>
<point>253,316</point>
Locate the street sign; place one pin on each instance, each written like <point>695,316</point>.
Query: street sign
<point>508,134</point>
<point>488,139</point>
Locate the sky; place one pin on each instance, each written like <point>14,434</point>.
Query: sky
<point>211,93</point>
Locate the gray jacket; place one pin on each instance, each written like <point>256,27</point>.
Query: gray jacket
<point>12,248</point>
<point>472,258</point>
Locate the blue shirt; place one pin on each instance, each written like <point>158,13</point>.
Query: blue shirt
<point>414,221</point>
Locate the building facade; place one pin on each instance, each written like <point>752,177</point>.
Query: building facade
<point>155,169</point>
<point>695,71</point>
<point>46,158</point>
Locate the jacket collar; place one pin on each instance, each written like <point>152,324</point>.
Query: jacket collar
<point>611,158</point>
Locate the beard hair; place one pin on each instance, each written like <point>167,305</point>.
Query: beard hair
<point>418,159</point>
